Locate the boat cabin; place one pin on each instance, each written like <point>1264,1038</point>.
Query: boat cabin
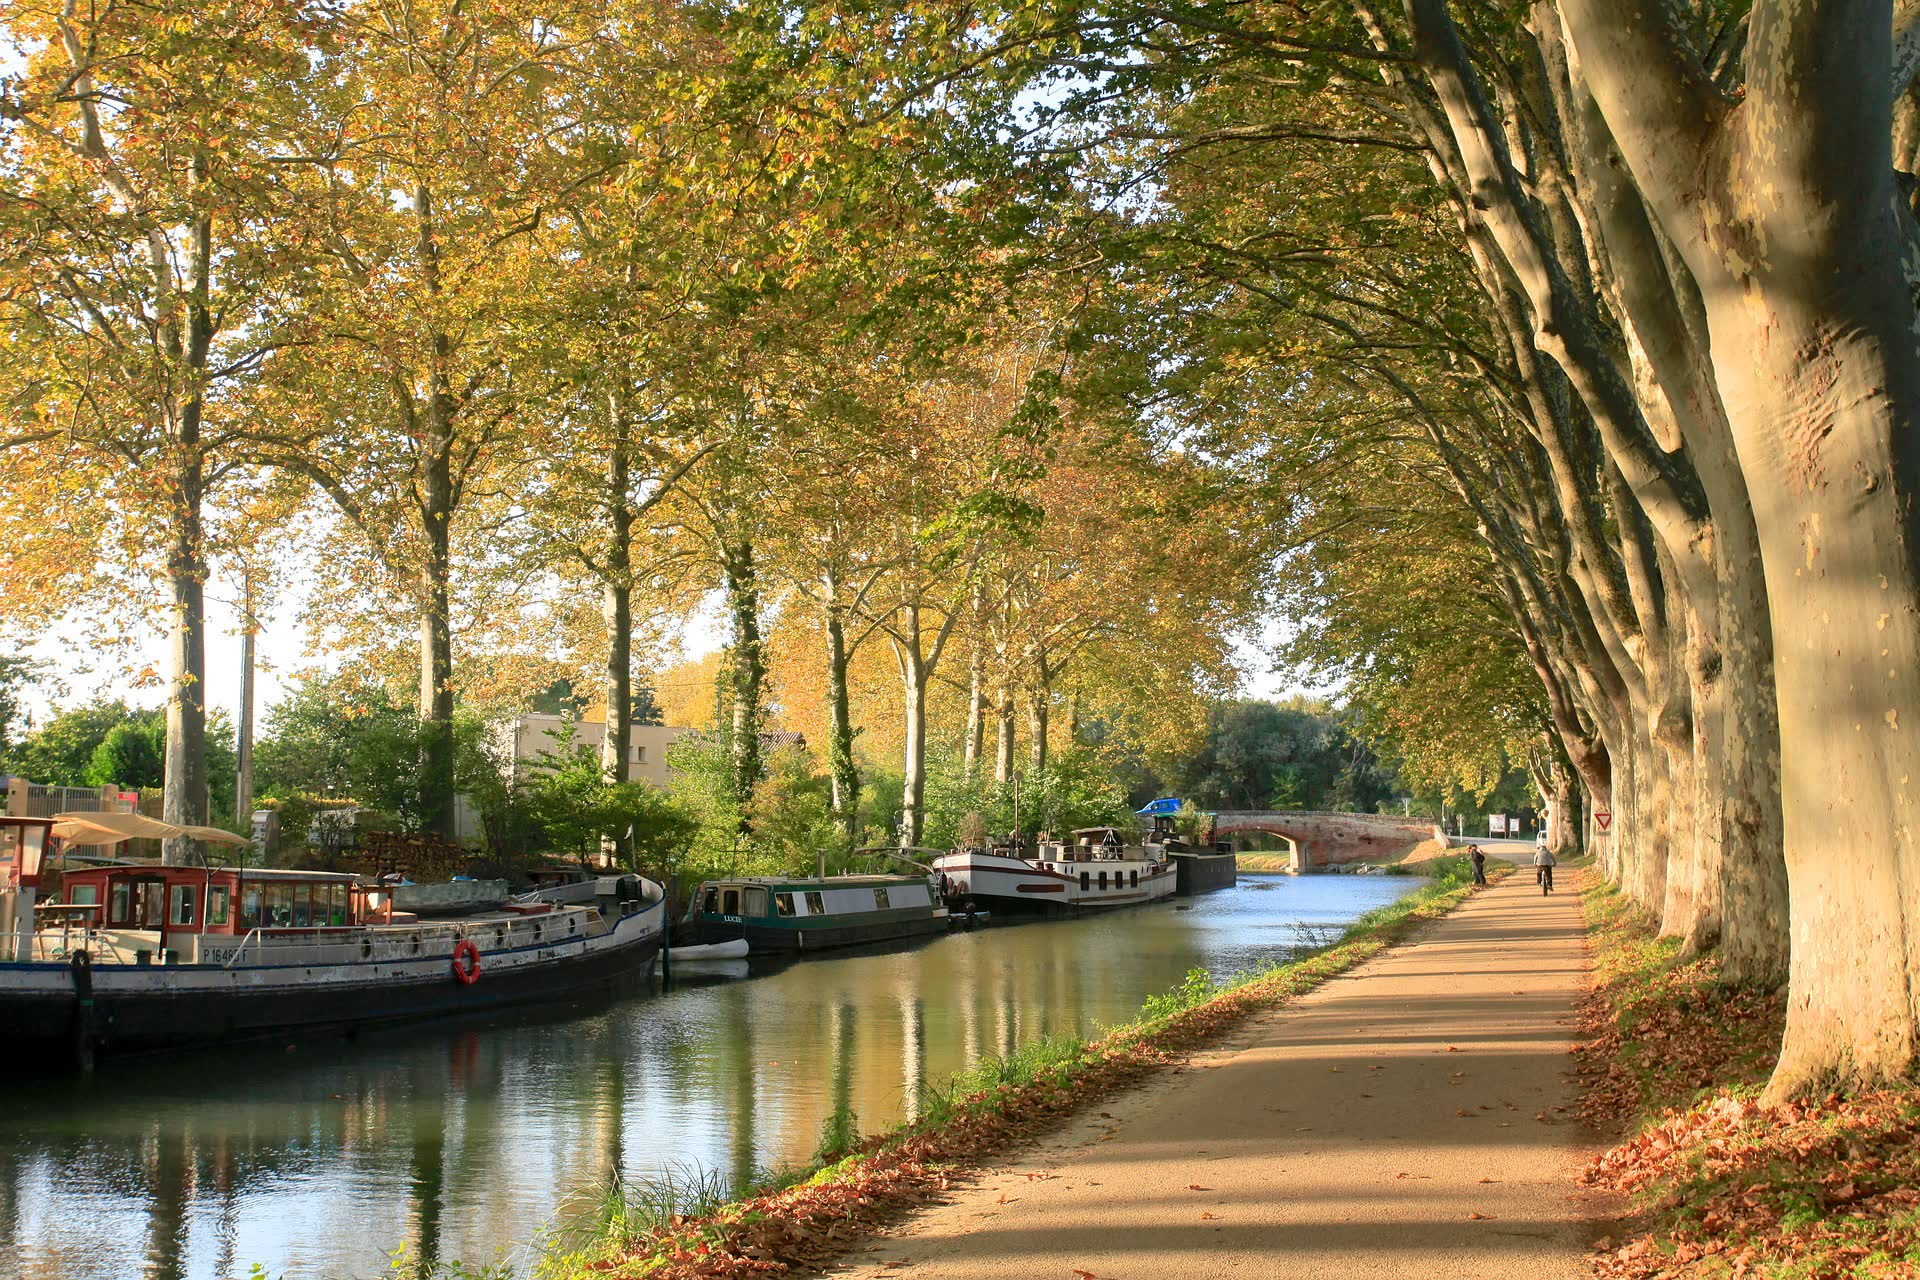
<point>223,900</point>
<point>1090,844</point>
<point>813,912</point>
<point>768,900</point>
<point>167,911</point>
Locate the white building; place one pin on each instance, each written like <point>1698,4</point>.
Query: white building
<point>538,734</point>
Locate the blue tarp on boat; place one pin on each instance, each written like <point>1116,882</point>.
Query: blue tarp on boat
<point>1167,805</point>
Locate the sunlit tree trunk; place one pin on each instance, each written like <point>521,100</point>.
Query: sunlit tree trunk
<point>184,787</point>
<point>1786,210</point>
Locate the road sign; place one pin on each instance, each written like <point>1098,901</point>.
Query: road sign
<point>1603,819</point>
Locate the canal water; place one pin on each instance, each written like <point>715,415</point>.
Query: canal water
<point>317,1160</point>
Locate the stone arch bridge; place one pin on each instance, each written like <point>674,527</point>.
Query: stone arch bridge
<point>1321,839</point>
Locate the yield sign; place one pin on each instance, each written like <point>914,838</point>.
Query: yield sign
<point>1603,818</point>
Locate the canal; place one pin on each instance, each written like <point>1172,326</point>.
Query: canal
<point>316,1160</point>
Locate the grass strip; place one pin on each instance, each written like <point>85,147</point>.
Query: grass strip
<point>805,1217</point>
<point>1720,1186</point>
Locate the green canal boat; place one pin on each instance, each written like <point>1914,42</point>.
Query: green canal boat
<point>811,913</point>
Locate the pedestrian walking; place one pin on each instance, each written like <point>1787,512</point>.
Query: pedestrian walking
<point>1543,864</point>
<point>1479,865</point>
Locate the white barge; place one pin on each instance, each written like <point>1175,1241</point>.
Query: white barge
<point>1094,869</point>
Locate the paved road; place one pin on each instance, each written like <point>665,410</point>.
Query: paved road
<point>1403,1121</point>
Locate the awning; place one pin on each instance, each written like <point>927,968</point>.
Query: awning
<point>112,828</point>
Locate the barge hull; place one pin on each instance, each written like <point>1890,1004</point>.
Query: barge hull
<point>153,1014</point>
<point>1204,872</point>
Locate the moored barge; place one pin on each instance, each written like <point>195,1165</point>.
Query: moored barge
<point>1095,869</point>
<point>813,913</point>
<point>140,957</point>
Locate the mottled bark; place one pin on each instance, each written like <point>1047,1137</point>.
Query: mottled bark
<point>1786,211</point>
<point>843,773</point>
<point>746,676</point>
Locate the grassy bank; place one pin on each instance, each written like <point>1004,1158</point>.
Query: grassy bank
<point>806,1216</point>
<point>1718,1185</point>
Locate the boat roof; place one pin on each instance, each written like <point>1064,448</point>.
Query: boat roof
<point>248,873</point>
<point>815,882</point>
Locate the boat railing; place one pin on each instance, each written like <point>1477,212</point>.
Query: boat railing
<point>322,945</point>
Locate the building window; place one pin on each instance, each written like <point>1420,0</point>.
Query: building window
<point>639,755</point>
<point>183,905</point>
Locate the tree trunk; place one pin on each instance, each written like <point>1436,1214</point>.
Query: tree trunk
<point>913,673</point>
<point>1003,740</point>
<point>436,574</point>
<point>616,685</point>
<point>184,786</point>
<point>1038,714</point>
<point>1787,213</point>
<point>747,677</point>
<point>243,745</point>
<point>845,775</point>
<point>976,710</point>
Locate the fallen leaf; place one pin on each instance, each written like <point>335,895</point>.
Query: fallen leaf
<point>1207,1216</point>
<point>1194,1186</point>
<point>1452,1049</point>
<point>1480,1217</point>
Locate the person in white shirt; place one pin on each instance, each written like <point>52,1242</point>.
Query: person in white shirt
<point>1543,868</point>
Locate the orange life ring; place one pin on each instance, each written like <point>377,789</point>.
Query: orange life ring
<point>468,972</point>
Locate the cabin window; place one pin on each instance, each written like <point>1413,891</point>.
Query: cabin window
<point>279,906</point>
<point>879,899</point>
<point>712,903</point>
<point>183,905</point>
<point>815,905</point>
<point>1133,879</point>
<point>1103,879</point>
<point>1086,879</point>
<point>217,904</point>
<point>783,904</point>
<point>120,903</point>
<point>250,907</point>
<point>337,897</point>
<point>150,909</point>
<point>730,903</point>
<point>302,907</point>
<point>756,903</point>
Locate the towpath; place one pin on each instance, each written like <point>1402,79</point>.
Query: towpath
<point>1408,1120</point>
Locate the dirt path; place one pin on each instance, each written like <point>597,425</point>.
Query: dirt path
<point>1364,1131</point>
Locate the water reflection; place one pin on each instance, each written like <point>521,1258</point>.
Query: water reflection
<point>317,1160</point>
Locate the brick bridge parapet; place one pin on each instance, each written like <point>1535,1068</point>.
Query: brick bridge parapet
<point>1321,838</point>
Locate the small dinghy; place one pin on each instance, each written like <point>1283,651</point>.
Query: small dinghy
<point>735,949</point>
